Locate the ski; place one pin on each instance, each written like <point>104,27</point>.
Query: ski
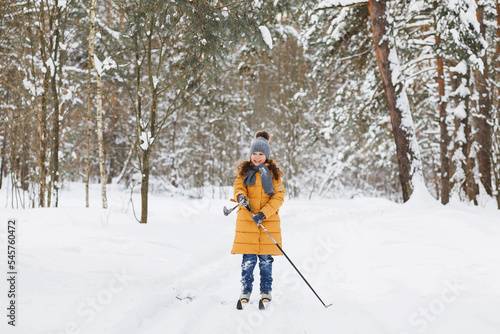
<point>240,305</point>
<point>265,299</point>
<point>263,303</point>
<point>243,300</point>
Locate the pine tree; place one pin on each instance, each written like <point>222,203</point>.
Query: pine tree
<point>410,167</point>
<point>483,120</point>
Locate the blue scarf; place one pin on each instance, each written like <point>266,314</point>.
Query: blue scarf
<point>265,175</point>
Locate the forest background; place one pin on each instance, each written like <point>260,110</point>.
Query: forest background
<point>360,97</point>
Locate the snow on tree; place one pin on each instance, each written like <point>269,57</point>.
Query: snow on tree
<point>192,80</point>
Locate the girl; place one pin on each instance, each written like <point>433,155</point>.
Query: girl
<point>260,194</point>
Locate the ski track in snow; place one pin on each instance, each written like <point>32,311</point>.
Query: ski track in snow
<point>386,267</point>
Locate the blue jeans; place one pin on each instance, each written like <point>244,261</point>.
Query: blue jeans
<point>266,271</point>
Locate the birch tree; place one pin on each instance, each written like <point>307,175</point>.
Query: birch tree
<point>55,64</point>
<point>95,64</point>
<point>44,38</point>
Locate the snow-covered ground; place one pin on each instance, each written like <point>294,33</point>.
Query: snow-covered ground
<point>387,268</point>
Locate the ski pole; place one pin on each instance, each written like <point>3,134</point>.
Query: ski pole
<point>228,211</point>
<point>309,285</point>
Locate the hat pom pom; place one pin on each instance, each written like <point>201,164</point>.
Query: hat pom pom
<point>264,134</point>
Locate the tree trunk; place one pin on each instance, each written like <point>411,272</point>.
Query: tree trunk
<point>56,115</point>
<point>470,186</point>
<point>445,138</point>
<point>397,101</point>
<point>497,134</point>
<point>89,100</point>
<point>482,121</point>
<point>145,186</point>
<point>143,160</point>
<point>465,162</point>
<point>42,113</point>
<point>153,121</point>
<point>2,154</point>
<point>99,118</point>
<point>100,138</point>
<point>25,169</point>
<point>497,50</point>
<point>89,127</point>
<point>42,157</point>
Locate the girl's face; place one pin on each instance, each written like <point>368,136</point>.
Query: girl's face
<point>258,158</point>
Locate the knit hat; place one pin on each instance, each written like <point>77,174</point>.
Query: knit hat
<point>261,143</point>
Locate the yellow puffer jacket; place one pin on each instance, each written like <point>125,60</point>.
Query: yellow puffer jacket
<point>249,238</point>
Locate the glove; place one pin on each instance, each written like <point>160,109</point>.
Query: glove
<point>258,218</point>
<point>242,200</point>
